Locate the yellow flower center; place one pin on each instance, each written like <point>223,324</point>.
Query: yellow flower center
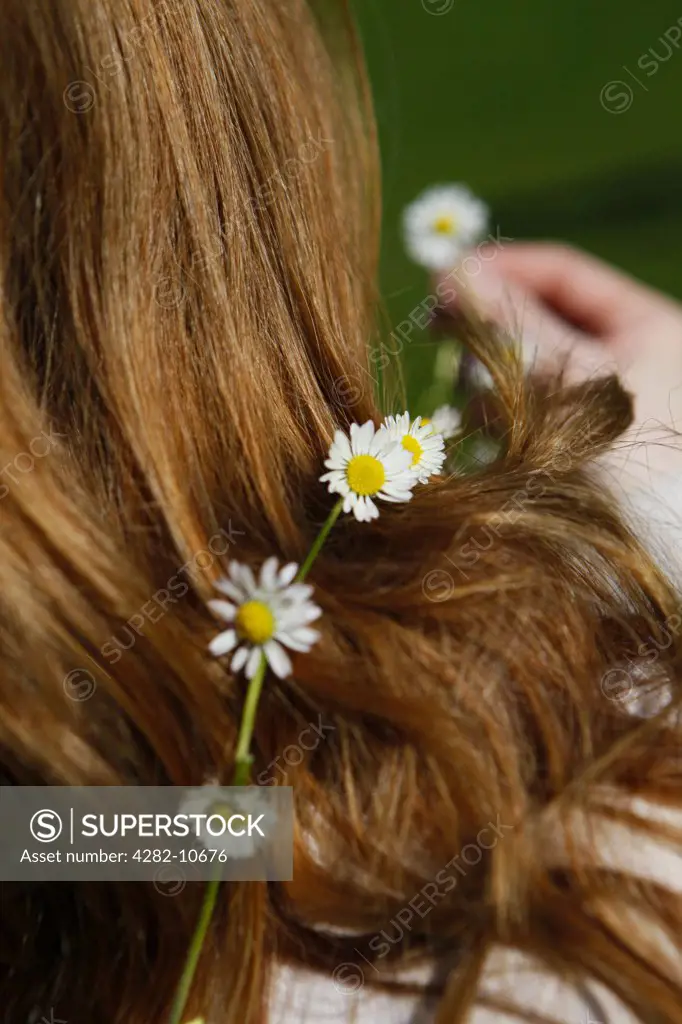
<point>222,810</point>
<point>445,225</point>
<point>411,444</point>
<point>365,475</point>
<point>255,622</point>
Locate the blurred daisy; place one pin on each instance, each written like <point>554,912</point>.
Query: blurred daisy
<point>441,224</point>
<point>366,466</point>
<point>419,439</point>
<point>221,804</point>
<point>445,421</point>
<point>266,615</point>
<point>478,376</point>
<point>484,451</point>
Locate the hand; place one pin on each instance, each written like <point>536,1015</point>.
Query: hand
<point>570,309</point>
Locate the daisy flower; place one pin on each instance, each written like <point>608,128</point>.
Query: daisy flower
<point>425,447</point>
<point>446,421</point>
<point>220,804</point>
<point>366,466</point>
<point>484,451</point>
<point>266,615</point>
<point>441,224</point>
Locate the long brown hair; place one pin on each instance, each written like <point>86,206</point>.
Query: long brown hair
<point>188,238</point>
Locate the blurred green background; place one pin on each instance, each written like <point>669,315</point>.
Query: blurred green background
<point>511,97</point>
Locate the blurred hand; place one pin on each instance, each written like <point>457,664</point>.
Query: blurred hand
<point>570,309</point>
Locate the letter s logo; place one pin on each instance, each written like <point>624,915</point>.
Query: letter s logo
<point>46,826</point>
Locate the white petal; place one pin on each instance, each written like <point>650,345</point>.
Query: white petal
<point>391,492</point>
<point>239,660</point>
<point>381,440</point>
<point>335,481</point>
<point>363,438</point>
<point>342,443</point>
<point>298,616</point>
<point>223,643</point>
<point>384,441</point>
<point>372,510</point>
<point>343,487</point>
<point>446,420</point>
<point>223,609</point>
<point>230,589</point>
<point>243,577</point>
<point>287,574</point>
<point>248,580</point>
<point>298,592</point>
<point>311,612</point>
<point>253,662</point>
<point>301,639</point>
<point>359,509</point>
<point>279,662</point>
<point>435,443</point>
<point>434,252</point>
<point>397,461</point>
<point>268,573</point>
<point>397,496</point>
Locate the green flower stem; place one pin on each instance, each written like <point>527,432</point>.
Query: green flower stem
<point>242,754</point>
<point>242,771</point>
<point>319,541</point>
<point>194,952</point>
<point>240,778</point>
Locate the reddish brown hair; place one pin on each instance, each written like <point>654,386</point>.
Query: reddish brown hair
<point>187,260</point>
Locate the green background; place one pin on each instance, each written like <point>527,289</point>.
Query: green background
<point>505,96</point>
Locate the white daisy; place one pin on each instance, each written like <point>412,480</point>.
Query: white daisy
<point>216,806</point>
<point>479,376</point>
<point>441,224</point>
<point>426,448</point>
<point>267,615</point>
<point>446,421</point>
<point>366,466</point>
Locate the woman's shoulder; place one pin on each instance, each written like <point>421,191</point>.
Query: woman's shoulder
<point>513,984</point>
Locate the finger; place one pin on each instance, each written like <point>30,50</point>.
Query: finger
<point>548,343</point>
<point>580,288</point>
